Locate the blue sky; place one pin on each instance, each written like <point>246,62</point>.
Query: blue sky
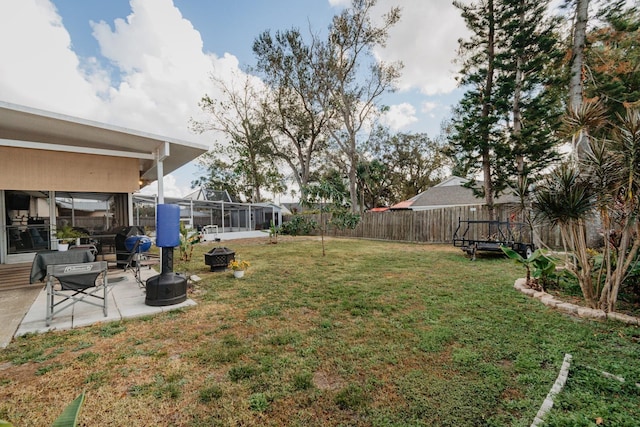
<point>225,26</point>
<point>144,64</point>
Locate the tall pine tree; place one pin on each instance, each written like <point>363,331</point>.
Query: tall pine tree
<point>475,117</point>
<point>528,62</point>
<point>503,126</point>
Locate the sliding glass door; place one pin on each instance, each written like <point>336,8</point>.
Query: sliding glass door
<point>26,226</point>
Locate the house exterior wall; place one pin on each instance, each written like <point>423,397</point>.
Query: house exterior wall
<point>30,169</point>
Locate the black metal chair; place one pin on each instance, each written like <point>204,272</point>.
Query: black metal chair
<point>137,259</point>
<point>92,248</point>
<point>85,282</point>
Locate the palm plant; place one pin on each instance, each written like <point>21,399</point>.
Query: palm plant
<point>565,199</point>
<point>606,181</point>
<point>615,166</point>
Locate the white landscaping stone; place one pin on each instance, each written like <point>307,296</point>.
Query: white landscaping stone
<point>568,308</point>
<point>591,313</point>
<point>520,283</point>
<point>629,320</point>
<point>549,301</point>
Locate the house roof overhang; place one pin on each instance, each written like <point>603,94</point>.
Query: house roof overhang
<point>27,127</point>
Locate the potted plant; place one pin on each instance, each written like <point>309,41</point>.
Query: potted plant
<point>238,267</point>
<point>66,235</point>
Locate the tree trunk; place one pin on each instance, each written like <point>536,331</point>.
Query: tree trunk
<point>517,113</point>
<point>486,112</point>
<point>353,190</point>
<point>577,54</point>
<point>576,87</point>
<point>584,267</point>
<point>488,187</point>
<point>609,294</point>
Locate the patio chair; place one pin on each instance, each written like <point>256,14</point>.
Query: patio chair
<point>138,259</point>
<point>85,282</point>
<point>88,246</point>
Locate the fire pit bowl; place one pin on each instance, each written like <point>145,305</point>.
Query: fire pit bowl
<point>219,258</point>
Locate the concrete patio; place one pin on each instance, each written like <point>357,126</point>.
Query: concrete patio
<point>126,300</point>
<point>23,311</point>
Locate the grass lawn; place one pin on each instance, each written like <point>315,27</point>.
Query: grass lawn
<point>373,334</point>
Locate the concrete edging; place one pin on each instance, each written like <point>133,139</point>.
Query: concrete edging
<point>576,310</point>
<point>557,388</point>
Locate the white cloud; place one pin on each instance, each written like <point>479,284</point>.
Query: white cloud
<point>160,65</point>
<point>38,66</point>
<point>164,71</point>
<point>340,3</point>
<point>428,107</point>
<point>170,188</point>
<point>426,41</point>
<point>400,116</point>
<point>159,69</point>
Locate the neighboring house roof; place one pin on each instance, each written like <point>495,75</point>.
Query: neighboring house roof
<point>28,127</point>
<point>406,204</point>
<point>267,205</point>
<point>293,207</point>
<point>284,210</point>
<point>209,195</point>
<point>449,192</point>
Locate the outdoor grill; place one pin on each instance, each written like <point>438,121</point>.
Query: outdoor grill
<point>219,258</point>
<point>121,235</point>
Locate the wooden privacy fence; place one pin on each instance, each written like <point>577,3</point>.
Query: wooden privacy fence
<point>432,226</point>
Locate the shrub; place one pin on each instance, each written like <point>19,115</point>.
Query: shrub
<point>299,225</point>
